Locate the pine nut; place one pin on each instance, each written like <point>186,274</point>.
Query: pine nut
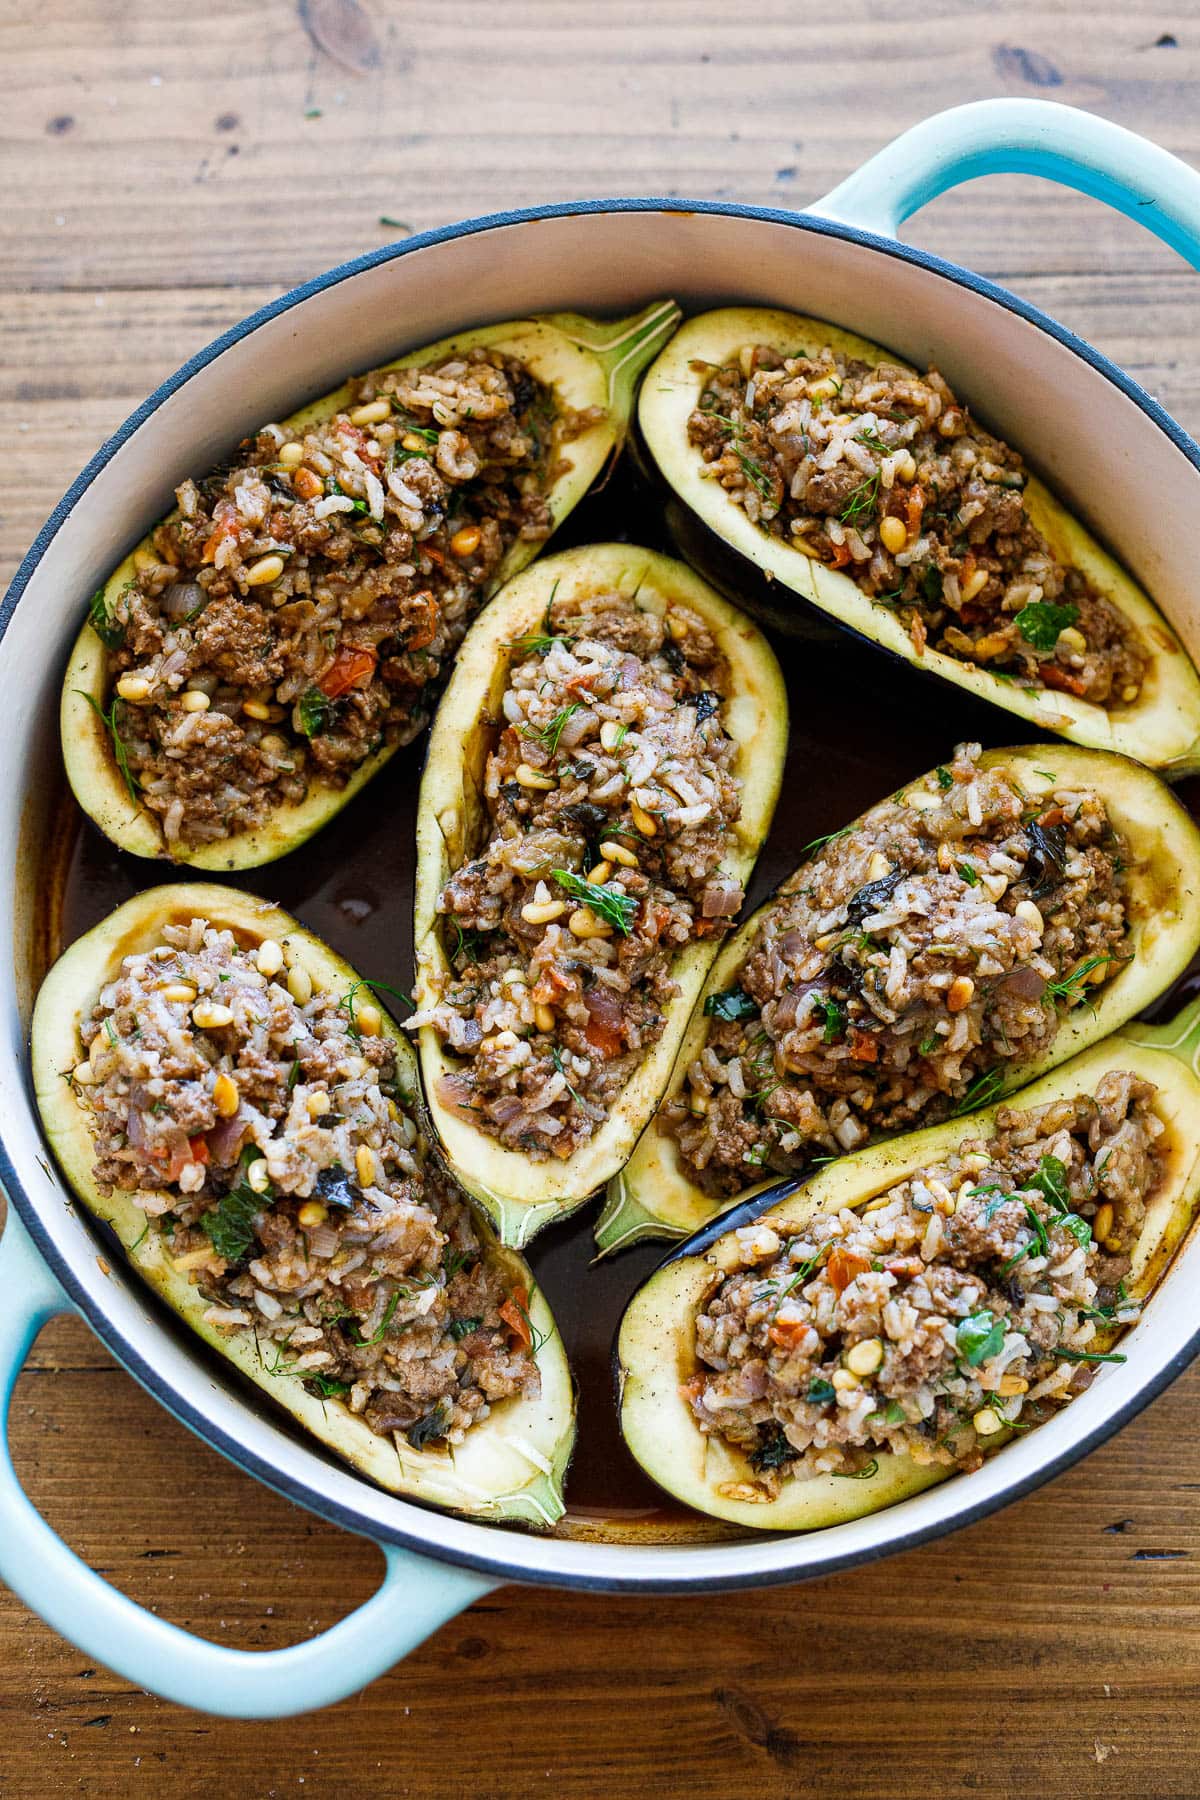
<point>368,1018</point>
<point>195,700</point>
<point>210,1015</point>
<point>364,1165</point>
<point>619,854</point>
<point>313,1212</point>
<point>530,778</point>
<point>374,412</point>
<point>1012,1384</point>
<point>133,687</point>
<point>411,441</point>
<point>1029,914</point>
<point>258,1176</point>
<point>264,571</point>
<point>1103,1223</point>
<point>179,991</point>
<point>960,993</point>
<point>600,874</point>
<point>893,533</point>
<point>1072,642</point>
<point>271,744</point>
<point>642,821</point>
<point>466,541</point>
<point>1129,694</point>
<point>907,468</point>
<point>256,709</point>
<point>676,627</point>
<point>269,959</point>
<point>824,389</point>
<point>226,1098</point>
<point>612,735</point>
<point>699,1104</point>
<point>987,1421</point>
<point>583,923</point>
<point>878,867</point>
<point>300,985</point>
<point>974,584</point>
<point>541,912</point>
<point>543,1018</point>
<point>865,1357</point>
<point>83,1074</point>
<point>845,1379</point>
<point>291,455</point>
<point>317,1105</point>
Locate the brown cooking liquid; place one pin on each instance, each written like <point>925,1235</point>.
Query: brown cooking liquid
<point>861,725</point>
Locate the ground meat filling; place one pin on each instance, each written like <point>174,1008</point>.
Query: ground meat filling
<point>295,614</point>
<point>610,800</point>
<point>943,935</point>
<point>294,1189</point>
<point>884,474</point>
<point>979,1294</point>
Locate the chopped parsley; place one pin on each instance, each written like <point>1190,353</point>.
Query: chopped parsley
<point>734,1003</point>
<point>461,1328</point>
<point>978,1337</point>
<point>945,779</point>
<point>827,1008</point>
<point>315,712</point>
<point>110,632</point>
<point>1040,623</point>
<point>230,1224</point>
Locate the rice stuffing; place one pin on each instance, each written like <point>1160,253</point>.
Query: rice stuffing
<point>297,611</point>
<point>883,474</point>
<point>971,1298</point>
<point>610,799</point>
<point>262,1129</point>
<point>945,934</point>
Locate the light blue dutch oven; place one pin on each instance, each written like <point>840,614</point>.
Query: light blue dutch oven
<point>1107,446</point>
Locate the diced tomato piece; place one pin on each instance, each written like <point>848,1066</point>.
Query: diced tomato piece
<point>603,1039</point>
<point>349,666</point>
<point>864,1045</point>
<point>785,1334</point>
<point>846,1266</point>
<point>515,1313</point>
<point>226,523</point>
<point>424,630</point>
<point>199,1149</point>
<point>1066,680</point>
<point>915,507</point>
<point>841,555</point>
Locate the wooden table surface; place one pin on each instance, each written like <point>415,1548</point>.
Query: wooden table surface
<point>167,168</point>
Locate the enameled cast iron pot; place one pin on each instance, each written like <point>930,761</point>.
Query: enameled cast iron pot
<point>1110,450</point>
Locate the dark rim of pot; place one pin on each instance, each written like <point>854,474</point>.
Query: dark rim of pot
<point>495,1562</point>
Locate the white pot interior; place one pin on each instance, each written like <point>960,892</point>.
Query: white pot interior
<point>1110,459</point>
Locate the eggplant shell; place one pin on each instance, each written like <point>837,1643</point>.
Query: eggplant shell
<point>1161,728</point>
<point>521,1194</point>
<point>653,1196</point>
<point>510,1466</point>
<point>588,362</point>
<point>655,1350</point>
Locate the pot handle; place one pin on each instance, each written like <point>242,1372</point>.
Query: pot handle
<point>415,1597</point>
<point>1022,137</point>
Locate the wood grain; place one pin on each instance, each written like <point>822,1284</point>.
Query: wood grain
<point>165,170</point>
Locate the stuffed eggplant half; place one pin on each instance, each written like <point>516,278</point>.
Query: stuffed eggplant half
<point>832,1348</point>
<point>842,478</point>
<point>223,1091</point>
<point>269,645</point>
<point>601,774</point>
<point>965,935</point>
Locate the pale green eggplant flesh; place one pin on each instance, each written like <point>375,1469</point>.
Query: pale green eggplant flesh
<point>522,1194</point>
<point>654,1196</point>
<point>511,1465</point>
<point>655,1351</point>
<point>587,363</point>
<point>1160,728</point>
